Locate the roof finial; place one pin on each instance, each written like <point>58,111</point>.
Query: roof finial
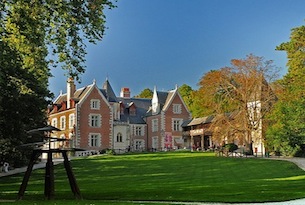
<point>94,81</point>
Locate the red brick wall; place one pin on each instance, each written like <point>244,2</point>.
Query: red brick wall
<point>106,124</point>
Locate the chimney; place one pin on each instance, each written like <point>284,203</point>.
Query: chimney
<point>125,93</point>
<point>70,91</point>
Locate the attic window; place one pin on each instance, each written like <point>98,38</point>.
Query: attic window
<point>177,108</point>
<point>132,111</point>
<point>95,104</point>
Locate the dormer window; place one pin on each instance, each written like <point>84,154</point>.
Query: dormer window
<point>63,105</point>
<point>132,110</point>
<point>122,107</point>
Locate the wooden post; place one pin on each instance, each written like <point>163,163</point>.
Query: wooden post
<point>27,174</point>
<point>49,177</point>
<point>49,189</point>
<point>71,177</point>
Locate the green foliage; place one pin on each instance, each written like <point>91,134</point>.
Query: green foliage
<point>63,25</point>
<point>31,33</point>
<point>287,131</point>
<point>186,93</point>
<point>146,93</point>
<point>230,147</point>
<point>22,105</point>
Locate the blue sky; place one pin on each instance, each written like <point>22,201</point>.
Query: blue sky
<point>167,42</point>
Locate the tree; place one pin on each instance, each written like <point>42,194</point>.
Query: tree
<point>287,131</point>
<point>240,97</point>
<point>186,93</point>
<point>21,106</point>
<point>32,33</point>
<point>146,93</point>
<point>62,25</point>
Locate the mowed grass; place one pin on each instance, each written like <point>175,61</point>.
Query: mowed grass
<point>168,176</point>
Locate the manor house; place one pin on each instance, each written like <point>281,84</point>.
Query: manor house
<point>95,119</point>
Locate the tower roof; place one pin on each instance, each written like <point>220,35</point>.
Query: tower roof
<point>108,92</point>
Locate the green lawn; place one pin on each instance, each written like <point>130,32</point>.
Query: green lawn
<point>170,176</point>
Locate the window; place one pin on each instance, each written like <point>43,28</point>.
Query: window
<point>177,108</point>
<point>155,125</point>
<point>95,120</point>
<point>94,140</point>
<point>63,122</point>
<point>71,120</point>
<point>176,124</point>
<point>155,142</point>
<point>139,131</point>
<point>54,122</point>
<point>138,145</point>
<point>95,104</point>
<point>119,137</point>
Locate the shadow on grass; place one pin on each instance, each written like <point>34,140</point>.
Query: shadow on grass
<point>171,176</point>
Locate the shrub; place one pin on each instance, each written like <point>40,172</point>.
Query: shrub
<point>110,152</point>
<point>230,147</point>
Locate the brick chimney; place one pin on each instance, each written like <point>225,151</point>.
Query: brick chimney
<point>125,93</point>
<point>70,91</point>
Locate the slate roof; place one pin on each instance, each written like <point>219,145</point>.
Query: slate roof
<point>108,92</point>
<point>198,121</point>
<point>167,101</point>
<point>78,95</point>
<point>62,98</point>
<point>141,104</point>
<point>164,99</point>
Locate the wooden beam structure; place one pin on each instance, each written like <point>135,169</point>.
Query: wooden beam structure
<point>49,190</point>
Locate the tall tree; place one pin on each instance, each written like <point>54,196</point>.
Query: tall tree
<point>186,93</point>
<point>287,131</point>
<point>239,96</point>
<point>146,93</point>
<point>32,33</point>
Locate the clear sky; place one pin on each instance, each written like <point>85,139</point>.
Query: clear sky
<point>167,42</point>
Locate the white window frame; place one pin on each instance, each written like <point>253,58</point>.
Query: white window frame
<point>94,140</point>
<point>154,142</point>
<point>54,122</point>
<point>95,120</point>
<point>139,131</point>
<point>71,120</point>
<point>62,122</point>
<point>95,104</point>
<point>138,145</point>
<point>177,108</point>
<point>176,124</point>
<point>154,124</point>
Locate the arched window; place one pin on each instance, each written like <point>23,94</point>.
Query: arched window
<point>119,137</point>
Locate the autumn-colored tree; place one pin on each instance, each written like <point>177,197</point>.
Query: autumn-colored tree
<point>240,97</point>
<point>287,131</point>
